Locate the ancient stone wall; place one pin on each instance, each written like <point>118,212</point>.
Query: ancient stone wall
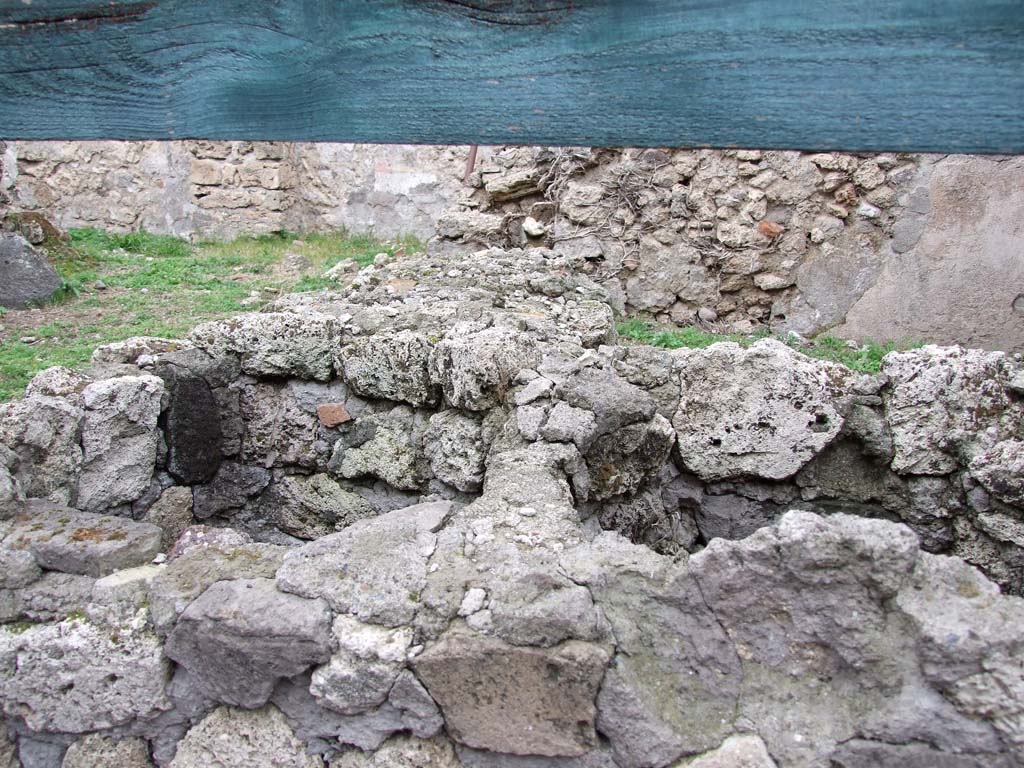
<point>442,518</point>
<point>883,247</point>
<point>221,189</point>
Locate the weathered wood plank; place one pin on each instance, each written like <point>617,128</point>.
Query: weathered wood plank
<point>923,75</point>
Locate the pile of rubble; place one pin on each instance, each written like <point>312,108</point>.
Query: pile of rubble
<point>441,518</point>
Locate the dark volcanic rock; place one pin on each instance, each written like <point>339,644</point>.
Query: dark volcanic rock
<point>25,273</point>
<point>192,428</point>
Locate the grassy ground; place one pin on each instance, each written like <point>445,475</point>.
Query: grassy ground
<point>139,284</point>
<point>866,358</point>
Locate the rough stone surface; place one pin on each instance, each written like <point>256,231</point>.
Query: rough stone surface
<point>800,614</point>
<point>402,752</point>
<point>231,487</point>
<point>228,737</point>
<point>95,751</point>
<point>730,427</point>
<point>314,506</point>
<point>26,275</point>
<point>239,637</point>
<point>392,367</point>
<point>516,700</point>
<point>189,573</point>
<point>273,344</point>
<point>475,369</point>
<point>947,405</point>
<point>193,427</point>
<point>119,440</point>
<point>735,752</point>
<point>8,753</point>
<point>374,569</point>
<point>172,513</point>
<point>1000,470</point>
<point>66,540</point>
<point>18,568</point>
<point>44,433</point>
<point>455,448</point>
<point>77,676</point>
<point>363,669</point>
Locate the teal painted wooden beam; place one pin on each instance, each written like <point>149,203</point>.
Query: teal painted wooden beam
<point>920,75</point>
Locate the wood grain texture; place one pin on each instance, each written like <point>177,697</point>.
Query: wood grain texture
<point>921,75</point>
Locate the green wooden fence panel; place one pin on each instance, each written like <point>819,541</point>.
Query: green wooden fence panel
<point>921,75</point>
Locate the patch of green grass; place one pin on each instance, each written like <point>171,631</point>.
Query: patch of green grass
<point>864,358</point>
<point>158,285</point>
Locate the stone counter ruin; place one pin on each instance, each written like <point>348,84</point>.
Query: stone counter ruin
<point>443,518</point>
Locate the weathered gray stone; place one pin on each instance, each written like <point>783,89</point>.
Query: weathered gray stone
<point>402,752</point>
<point>613,400</point>
<point>374,569</point>
<point>454,445</point>
<point>122,592</point>
<point>674,684</point>
<point>314,725</point>
<point>119,440</point>
<point>10,488</point>
<point>190,573</point>
<point>621,461</point>
<point>278,431</point>
<point>391,449</point>
<point>130,350</point>
<point>70,541</point>
<point>746,751</point>
<point>512,184</point>
<point>968,647</point>
<point>57,381</point>
<point>566,424</point>
<point>241,636</point>
<point>26,275</point>
<point>171,513</point>
<point>650,518</point>
<point>78,676</point>
<point>1000,470</point>
<point>18,568</point>
<point>666,274</point>
<point>470,226</point>
<point>41,750</point>
<point>731,516</point>
<point>364,667</point>
<point>390,367</point>
<point>8,753</point>
<point>96,751</point>
<point>229,738</point>
<point>763,411</point>
<point>274,344</point>
<point>313,506</point>
<point>947,405</point>
<point>518,700</point>
<point>860,753</point>
<point>834,577</point>
<point>475,369</point>
<point>44,433</point>
<point>420,714</point>
<point>54,597</point>
<point>231,487</point>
